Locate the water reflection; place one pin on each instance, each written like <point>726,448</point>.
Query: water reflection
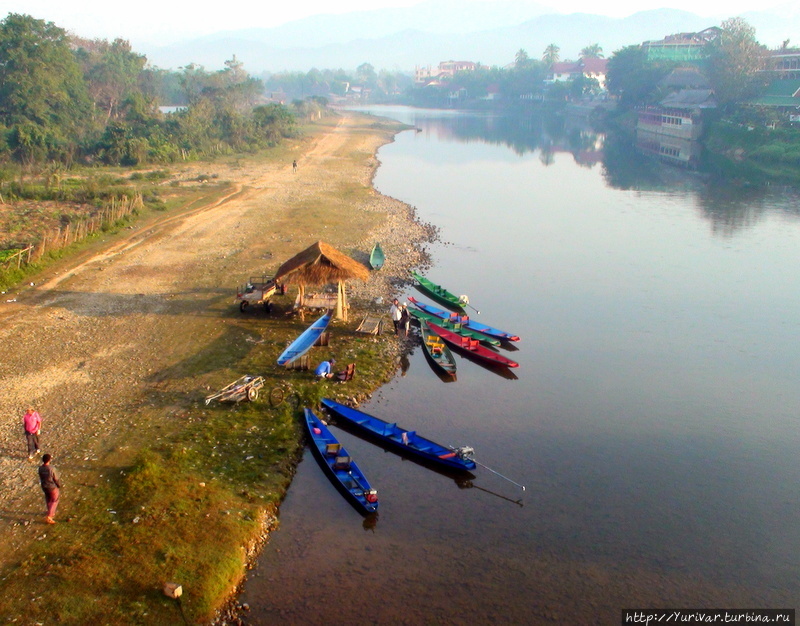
<point>729,208</point>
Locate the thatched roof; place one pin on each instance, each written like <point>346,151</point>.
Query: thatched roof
<point>320,264</point>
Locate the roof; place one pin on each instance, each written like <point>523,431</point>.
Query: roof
<point>690,99</point>
<point>594,65</point>
<point>688,77</point>
<point>780,93</point>
<point>320,264</point>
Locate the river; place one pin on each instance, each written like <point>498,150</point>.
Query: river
<point>653,419</point>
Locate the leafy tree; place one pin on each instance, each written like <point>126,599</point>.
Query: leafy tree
<point>736,61</point>
<point>43,98</point>
<point>112,72</point>
<point>551,54</point>
<point>593,51</point>
<point>366,74</point>
<point>632,78</point>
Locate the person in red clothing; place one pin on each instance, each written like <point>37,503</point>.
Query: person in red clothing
<point>51,487</point>
<point>33,426</point>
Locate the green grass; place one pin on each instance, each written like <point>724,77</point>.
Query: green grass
<point>183,510</point>
<point>195,491</point>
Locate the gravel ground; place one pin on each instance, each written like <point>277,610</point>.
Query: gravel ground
<point>94,343</point>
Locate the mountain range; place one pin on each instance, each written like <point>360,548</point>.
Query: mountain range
<point>401,39</point>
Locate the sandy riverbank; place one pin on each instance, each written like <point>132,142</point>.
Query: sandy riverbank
<point>100,346</point>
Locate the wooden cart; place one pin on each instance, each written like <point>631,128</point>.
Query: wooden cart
<point>244,388</point>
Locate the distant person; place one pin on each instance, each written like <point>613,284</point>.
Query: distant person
<point>396,313</point>
<point>325,369</point>
<point>51,486</point>
<point>32,422</point>
<point>294,165</point>
<point>405,318</point>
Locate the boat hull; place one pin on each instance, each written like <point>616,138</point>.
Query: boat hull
<point>303,343</point>
<point>437,292</point>
<point>456,327</point>
<point>350,480</point>
<point>377,258</point>
<point>465,321</point>
<point>472,346</point>
<point>437,351</point>
<point>394,438</point>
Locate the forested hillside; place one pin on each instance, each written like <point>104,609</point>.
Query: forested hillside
<point>65,99</point>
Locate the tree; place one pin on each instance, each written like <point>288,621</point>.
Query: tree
<point>551,54</point>
<point>521,60</point>
<point>112,72</point>
<point>736,62</point>
<point>593,51</point>
<point>632,78</point>
<point>43,99</point>
<point>366,75</point>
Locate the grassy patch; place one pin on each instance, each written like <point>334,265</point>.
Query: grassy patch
<point>184,509</point>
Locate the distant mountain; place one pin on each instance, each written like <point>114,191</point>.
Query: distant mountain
<point>440,30</point>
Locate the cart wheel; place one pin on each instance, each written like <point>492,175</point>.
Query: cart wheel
<point>276,396</point>
<point>243,305</point>
<point>252,394</point>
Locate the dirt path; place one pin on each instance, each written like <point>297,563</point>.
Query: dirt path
<point>92,346</point>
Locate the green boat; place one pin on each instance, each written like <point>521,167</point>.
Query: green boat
<point>377,257</point>
<point>439,293</point>
<point>456,327</point>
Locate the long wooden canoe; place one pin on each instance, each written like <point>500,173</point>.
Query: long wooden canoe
<point>303,343</point>
<point>437,350</point>
<point>438,292</point>
<point>465,321</point>
<point>339,466</point>
<point>404,442</point>
<point>472,346</point>
<point>377,257</point>
<point>456,326</point>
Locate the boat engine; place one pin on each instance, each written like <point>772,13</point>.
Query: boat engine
<point>465,452</point>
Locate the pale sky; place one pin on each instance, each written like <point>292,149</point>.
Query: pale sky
<point>161,21</point>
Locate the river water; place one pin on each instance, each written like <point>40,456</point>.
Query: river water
<point>653,419</point>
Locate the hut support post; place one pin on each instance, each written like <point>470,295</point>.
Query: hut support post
<point>341,302</point>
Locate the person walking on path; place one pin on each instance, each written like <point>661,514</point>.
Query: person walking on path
<point>32,422</point>
<point>396,314</point>
<point>51,487</point>
<point>294,166</point>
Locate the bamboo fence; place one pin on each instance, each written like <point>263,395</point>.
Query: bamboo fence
<point>63,236</point>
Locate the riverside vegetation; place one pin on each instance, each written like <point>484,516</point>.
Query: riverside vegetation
<point>124,336</point>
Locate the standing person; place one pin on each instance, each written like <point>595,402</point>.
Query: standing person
<point>294,166</point>
<point>396,313</point>
<point>32,422</point>
<point>405,318</point>
<point>51,487</point>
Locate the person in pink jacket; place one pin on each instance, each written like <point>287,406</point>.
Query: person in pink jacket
<point>33,426</point>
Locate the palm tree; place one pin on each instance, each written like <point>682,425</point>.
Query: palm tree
<point>550,55</point>
<point>593,51</point>
<point>521,59</point>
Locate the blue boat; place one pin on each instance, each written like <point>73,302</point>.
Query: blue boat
<point>339,467</point>
<point>404,442</point>
<point>303,343</point>
<point>465,321</point>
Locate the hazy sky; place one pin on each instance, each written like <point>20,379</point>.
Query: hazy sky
<point>159,21</point>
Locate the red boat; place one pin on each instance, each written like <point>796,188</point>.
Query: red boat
<point>473,346</point>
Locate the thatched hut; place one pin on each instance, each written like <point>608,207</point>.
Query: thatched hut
<point>322,264</point>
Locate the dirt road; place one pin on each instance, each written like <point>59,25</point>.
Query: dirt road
<point>93,347</point>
